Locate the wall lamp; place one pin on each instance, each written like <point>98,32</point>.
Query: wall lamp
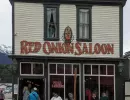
<point>14,66</point>
<point>120,67</point>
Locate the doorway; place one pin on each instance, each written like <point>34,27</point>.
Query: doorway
<point>39,83</point>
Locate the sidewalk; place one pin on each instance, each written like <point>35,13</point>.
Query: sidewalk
<point>8,96</point>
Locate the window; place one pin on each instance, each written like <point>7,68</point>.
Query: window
<point>37,68</point>
<point>84,24</point>
<point>31,68</point>
<point>51,22</point>
<point>61,77</point>
<point>25,68</point>
<point>99,79</point>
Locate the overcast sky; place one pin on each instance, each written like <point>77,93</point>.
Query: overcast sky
<point>6,28</point>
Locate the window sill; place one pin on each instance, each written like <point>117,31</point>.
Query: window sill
<point>53,39</point>
<point>84,40</point>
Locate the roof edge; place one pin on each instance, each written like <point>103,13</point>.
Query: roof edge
<point>118,2</point>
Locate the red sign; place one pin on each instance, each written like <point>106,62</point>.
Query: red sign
<point>66,48</point>
<point>57,84</point>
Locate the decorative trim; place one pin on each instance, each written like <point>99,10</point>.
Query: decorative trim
<point>65,58</point>
<point>45,22</point>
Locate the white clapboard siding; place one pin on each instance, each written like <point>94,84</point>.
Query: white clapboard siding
<point>28,23</point>
<point>29,26</point>
<point>67,18</point>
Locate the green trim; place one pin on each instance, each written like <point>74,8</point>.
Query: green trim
<point>121,30</point>
<point>90,22</point>
<point>45,22</point>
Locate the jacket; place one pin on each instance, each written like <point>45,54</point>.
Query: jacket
<point>104,98</point>
<point>25,95</point>
<point>95,98</point>
<point>33,96</point>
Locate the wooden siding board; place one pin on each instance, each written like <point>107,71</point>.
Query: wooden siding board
<point>29,25</point>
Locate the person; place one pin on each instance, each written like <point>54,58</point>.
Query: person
<point>56,97</point>
<point>88,94</point>
<point>34,95</point>
<point>104,96</point>
<point>94,96</point>
<point>25,93</point>
<point>2,96</point>
<point>30,87</point>
<point>71,97</point>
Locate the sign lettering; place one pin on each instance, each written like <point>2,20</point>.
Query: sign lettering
<point>66,48</point>
<point>57,84</point>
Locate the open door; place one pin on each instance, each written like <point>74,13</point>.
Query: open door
<point>39,83</point>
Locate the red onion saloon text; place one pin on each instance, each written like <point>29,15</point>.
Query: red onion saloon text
<point>63,48</point>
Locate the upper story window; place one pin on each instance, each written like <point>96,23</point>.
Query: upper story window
<point>83,24</point>
<point>51,22</point>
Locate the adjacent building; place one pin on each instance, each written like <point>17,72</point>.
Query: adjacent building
<point>53,37</point>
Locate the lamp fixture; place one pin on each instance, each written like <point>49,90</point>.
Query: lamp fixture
<point>14,66</point>
<point>120,67</point>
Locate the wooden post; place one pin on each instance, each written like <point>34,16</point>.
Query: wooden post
<point>75,76</point>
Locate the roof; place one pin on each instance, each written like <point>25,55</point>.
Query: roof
<point>117,2</point>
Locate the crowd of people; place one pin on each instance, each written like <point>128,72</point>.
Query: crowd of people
<point>30,93</point>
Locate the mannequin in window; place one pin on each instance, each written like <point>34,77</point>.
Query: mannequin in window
<point>104,96</point>
<point>88,94</point>
<point>94,96</point>
<point>56,97</point>
<point>71,97</point>
<point>51,27</point>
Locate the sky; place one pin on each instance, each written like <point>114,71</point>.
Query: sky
<point>6,24</point>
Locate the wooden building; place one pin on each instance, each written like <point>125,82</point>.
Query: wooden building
<point>53,37</point>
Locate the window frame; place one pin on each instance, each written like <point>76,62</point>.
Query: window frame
<point>90,23</point>
<point>32,69</point>
<point>99,75</point>
<point>45,22</point>
<point>55,74</point>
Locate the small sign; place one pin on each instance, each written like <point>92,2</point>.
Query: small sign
<point>57,84</point>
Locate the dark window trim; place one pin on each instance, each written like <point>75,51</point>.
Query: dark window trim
<point>45,24</point>
<point>90,23</point>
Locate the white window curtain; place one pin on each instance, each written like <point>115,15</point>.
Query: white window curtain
<point>51,26</point>
<point>84,24</point>
<point>48,20</point>
<point>55,24</point>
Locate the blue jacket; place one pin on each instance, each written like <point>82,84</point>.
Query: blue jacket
<point>33,96</point>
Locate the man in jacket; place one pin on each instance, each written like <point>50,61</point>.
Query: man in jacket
<point>34,95</point>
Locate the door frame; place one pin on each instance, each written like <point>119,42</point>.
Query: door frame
<point>33,77</point>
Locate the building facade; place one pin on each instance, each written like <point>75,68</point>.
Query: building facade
<point>53,37</point>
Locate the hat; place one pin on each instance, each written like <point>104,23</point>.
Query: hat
<point>35,89</point>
